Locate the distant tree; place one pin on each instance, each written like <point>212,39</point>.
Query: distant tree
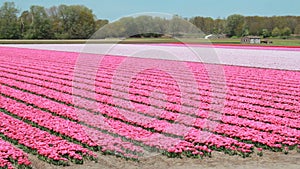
<point>100,23</point>
<point>207,24</point>
<point>198,21</point>
<point>139,25</point>
<point>250,25</point>
<point>265,33</point>
<point>291,23</point>
<point>276,32</point>
<point>57,25</point>
<point>175,25</point>
<point>41,26</point>
<point>219,26</point>
<point>246,32</point>
<point>286,31</point>
<point>78,22</point>
<point>235,24</point>
<point>25,20</point>
<point>297,29</point>
<point>255,24</point>
<point>161,25</point>
<point>9,26</point>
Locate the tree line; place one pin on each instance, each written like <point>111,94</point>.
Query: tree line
<point>149,26</point>
<point>56,22</point>
<point>238,25</point>
<point>79,22</point>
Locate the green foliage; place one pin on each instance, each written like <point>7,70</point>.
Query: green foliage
<point>235,25</point>
<point>246,32</point>
<point>208,25</point>
<point>276,32</point>
<point>265,33</point>
<point>79,22</point>
<point>63,22</point>
<point>41,26</point>
<point>100,23</point>
<point>9,21</point>
<point>286,31</point>
<point>148,27</point>
<point>297,29</point>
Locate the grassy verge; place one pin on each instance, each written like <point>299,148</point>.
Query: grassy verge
<point>228,41</point>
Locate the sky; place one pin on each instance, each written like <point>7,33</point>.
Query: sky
<point>115,9</point>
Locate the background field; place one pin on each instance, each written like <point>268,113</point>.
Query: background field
<point>276,41</point>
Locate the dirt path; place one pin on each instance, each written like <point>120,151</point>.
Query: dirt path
<point>269,160</point>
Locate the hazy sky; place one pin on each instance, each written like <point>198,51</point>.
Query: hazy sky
<point>114,9</point>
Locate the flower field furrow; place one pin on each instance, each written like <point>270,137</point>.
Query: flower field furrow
<point>295,106</point>
<point>142,122</point>
<point>242,97</point>
<point>292,123</point>
<point>111,103</point>
<point>38,55</point>
<point>288,103</point>
<point>229,85</point>
<point>269,80</point>
<point>67,128</point>
<point>11,157</point>
<point>51,148</point>
<point>282,108</point>
<point>225,112</point>
<point>160,127</point>
<point>231,74</point>
<point>202,75</point>
<point>296,88</point>
<point>145,122</point>
<point>112,126</point>
<point>265,76</point>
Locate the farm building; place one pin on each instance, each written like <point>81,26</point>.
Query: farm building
<point>251,39</point>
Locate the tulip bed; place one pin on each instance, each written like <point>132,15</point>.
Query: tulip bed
<point>63,113</point>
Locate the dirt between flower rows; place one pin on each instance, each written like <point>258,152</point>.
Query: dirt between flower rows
<point>270,160</point>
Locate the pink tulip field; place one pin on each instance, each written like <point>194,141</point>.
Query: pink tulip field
<point>63,113</point>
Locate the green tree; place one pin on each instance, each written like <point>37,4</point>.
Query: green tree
<point>9,27</point>
<point>219,26</point>
<point>207,24</point>
<point>255,24</point>
<point>25,22</point>
<point>57,25</point>
<point>297,29</point>
<point>235,25</point>
<point>265,33</point>
<point>78,22</point>
<point>246,32</point>
<point>276,32</point>
<point>286,31</point>
<point>100,23</point>
<point>41,26</point>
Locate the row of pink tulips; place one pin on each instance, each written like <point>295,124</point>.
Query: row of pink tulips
<point>235,112</point>
<point>134,133</point>
<point>82,134</point>
<point>11,157</point>
<point>51,148</point>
